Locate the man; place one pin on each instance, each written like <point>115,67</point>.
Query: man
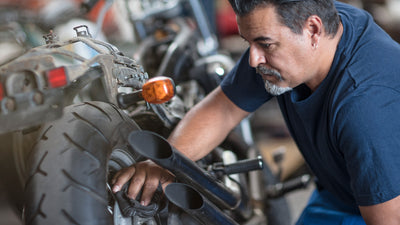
<point>336,76</point>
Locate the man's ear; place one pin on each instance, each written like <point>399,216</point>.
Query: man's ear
<point>314,27</point>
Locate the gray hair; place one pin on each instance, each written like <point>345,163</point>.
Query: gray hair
<point>294,13</point>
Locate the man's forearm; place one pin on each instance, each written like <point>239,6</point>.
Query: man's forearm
<point>386,213</point>
<point>206,125</point>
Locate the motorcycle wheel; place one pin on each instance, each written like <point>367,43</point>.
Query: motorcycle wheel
<point>71,163</point>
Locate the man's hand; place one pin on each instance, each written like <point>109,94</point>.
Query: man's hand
<point>202,129</point>
<point>146,175</point>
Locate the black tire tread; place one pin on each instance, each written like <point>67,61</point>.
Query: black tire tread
<point>68,165</point>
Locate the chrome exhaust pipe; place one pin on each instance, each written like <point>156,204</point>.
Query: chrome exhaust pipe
<point>156,148</point>
<point>194,204</point>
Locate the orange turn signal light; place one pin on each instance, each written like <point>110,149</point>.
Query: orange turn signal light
<point>158,90</point>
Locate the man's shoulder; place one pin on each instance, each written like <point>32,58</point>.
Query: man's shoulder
<point>375,66</point>
<point>369,54</point>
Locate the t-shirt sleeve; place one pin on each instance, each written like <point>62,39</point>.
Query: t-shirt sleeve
<point>369,137</point>
<point>244,87</point>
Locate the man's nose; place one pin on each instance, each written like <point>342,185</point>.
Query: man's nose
<point>256,57</point>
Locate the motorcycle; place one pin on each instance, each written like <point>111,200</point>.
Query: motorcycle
<point>69,121</point>
<point>44,85</point>
<point>77,146</point>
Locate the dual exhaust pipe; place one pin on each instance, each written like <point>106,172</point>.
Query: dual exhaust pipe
<point>194,204</point>
<point>200,194</point>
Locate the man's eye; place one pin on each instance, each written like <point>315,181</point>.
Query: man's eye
<point>265,45</point>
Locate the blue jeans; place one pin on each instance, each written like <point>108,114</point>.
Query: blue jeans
<point>325,209</point>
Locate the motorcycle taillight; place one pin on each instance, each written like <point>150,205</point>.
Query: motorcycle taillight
<point>158,90</point>
<point>57,77</point>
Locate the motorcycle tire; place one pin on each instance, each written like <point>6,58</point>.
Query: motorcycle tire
<point>71,163</point>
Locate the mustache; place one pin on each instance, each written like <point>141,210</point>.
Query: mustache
<point>270,72</point>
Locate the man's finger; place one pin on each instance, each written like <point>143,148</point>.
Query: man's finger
<point>166,179</point>
<point>149,188</point>
<point>153,179</point>
<point>121,177</point>
<point>137,182</point>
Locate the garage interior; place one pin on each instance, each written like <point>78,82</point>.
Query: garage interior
<point>271,135</point>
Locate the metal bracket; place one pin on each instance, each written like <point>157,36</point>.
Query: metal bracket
<point>82,31</point>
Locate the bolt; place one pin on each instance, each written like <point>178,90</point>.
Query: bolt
<point>38,98</point>
<point>10,104</point>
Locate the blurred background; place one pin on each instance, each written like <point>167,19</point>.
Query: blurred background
<point>271,135</point>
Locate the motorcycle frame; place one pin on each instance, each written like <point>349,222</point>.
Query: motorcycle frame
<point>41,103</point>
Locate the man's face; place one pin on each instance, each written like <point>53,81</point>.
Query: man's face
<point>280,56</point>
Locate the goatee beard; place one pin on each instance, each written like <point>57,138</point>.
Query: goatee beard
<point>274,89</point>
<point>271,88</point>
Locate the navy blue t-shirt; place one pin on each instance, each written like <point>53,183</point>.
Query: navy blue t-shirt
<point>348,130</point>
